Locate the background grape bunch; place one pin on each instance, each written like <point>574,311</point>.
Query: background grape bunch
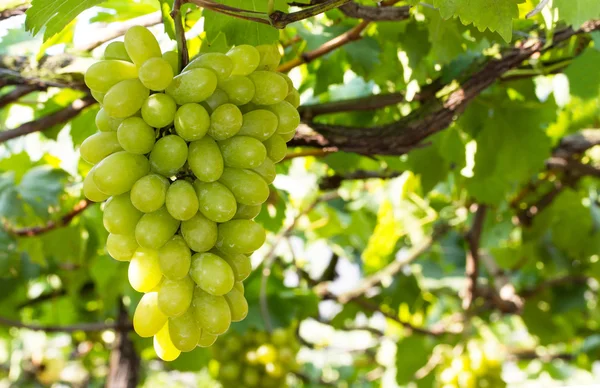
<point>476,365</point>
<point>183,161</point>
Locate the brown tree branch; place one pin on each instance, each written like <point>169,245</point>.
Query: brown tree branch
<point>565,280</point>
<point>382,13</point>
<point>573,166</point>
<point>182,48</point>
<point>333,182</point>
<point>86,327</point>
<point>8,13</point>
<point>473,237</point>
<point>15,94</point>
<point>124,367</point>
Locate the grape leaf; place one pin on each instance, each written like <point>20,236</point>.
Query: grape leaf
<point>576,12</point>
<point>54,14</point>
<point>587,63</point>
<point>411,355</point>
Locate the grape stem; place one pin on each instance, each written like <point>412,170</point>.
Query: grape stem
<point>184,57</point>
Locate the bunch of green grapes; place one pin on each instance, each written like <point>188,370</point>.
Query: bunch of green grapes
<point>257,359</point>
<point>478,367</point>
<point>184,161</point>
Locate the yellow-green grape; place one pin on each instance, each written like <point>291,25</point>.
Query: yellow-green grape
<point>103,75</point>
<point>225,122</point>
<point>156,74</point>
<point>212,274</point>
<point>98,96</point>
<point>205,159</point>
<point>117,173</point>
<point>237,304</point>
<point>175,258</point>
<point>293,98</point>
<point>90,190</point>
<point>288,80</point>
<point>239,89</point>
<point>215,200</point>
<point>211,312</point>
<point>199,233</point>
<point>136,136</point>
<point>154,229</point>
<point>270,88</point>
<point>105,123</point>
<point>276,148</point>
<point>286,355</point>
<point>240,236</point>
<point>218,98</point>
<point>245,59</point>
<point>99,146</point>
<point>121,247</point>
<point>192,122</point>
<point>266,354</point>
<point>144,272</point>
<point>116,50</point>
<point>125,98</point>
<point>230,371</point>
<point>194,85</point>
<point>269,57</point>
<point>251,377</point>
<point>250,357</point>
<point>260,124</point>
<point>173,59</point>
<point>220,63</point>
<point>239,263</point>
<point>288,117</point>
<point>242,152</point>
<point>168,155</point>
<point>148,319</point>
<point>182,201</point>
<point>175,296</point>
<point>246,212</point>
<point>163,346</point>
<point>120,216</point>
<point>274,369</point>
<point>266,170</point>
<point>184,331</point>
<point>247,186</point>
<point>141,45</point>
<point>279,336</point>
<point>158,110</point>
<point>206,339</point>
<point>148,193</point>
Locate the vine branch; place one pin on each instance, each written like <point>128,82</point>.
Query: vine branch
<point>86,327</point>
<point>473,238</point>
<point>182,48</point>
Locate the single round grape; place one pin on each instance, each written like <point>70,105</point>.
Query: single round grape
<point>205,159</point>
<point>288,80</point>
<point>206,339</point>
<point>90,190</point>
<point>168,155</point>
<point>103,75</point>
<point>125,98</point>
<point>199,233</point>
<point>245,59</point>
<point>270,88</point>
<point>163,346</point>
<point>154,229</point>
<point>116,50</point>
<point>99,146</point>
<point>242,152</point>
<point>211,273</point>
<point>175,258</point>
<point>218,98</point>
<point>276,148</point>
<point>239,89</point>
<point>239,286</point>
<point>141,45</point>
<point>274,370</point>
<point>279,337</point>
<point>287,136</point>
<point>98,96</point>
<point>266,353</point>
<point>225,122</point>
<point>120,216</point>
<point>192,122</point>
<point>148,319</point>
<point>230,371</point>
<point>247,186</point>
<point>144,272</point>
<point>220,63</point>
<point>117,173</point>
<point>251,377</point>
<point>293,98</point>
<point>260,124</point>
<point>269,57</point>
<point>215,200</point>
<point>149,192</point>
<point>194,85</point>
<point>237,305</point>
<point>266,170</point>
<point>247,212</point>
<point>173,59</point>
<point>182,201</point>
<point>239,263</point>
<point>288,117</point>
<point>211,312</point>
<point>240,236</point>
<point>175,296</point>
<point>156,74</point>
<point>184,331</point>
<point>105,123</point>
<point>158,110</point>
<point>136,136</point>
<point>121,247</point>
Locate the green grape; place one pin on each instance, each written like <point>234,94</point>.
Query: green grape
<point>184,331</point>
<point>250,356</point>
<point>239,286</point>
<point>168,155</point>
<point>212,274</point>
<point>199,233</point>
<point>149,192</point>
<point>266,354</point>
<point>158,110</point>
<point>260,124</point>
<point>239,263</point>
<point>194,85</point>
<point>288,117</point>
<point>144,272</point>
<point>148,319</point>
<point>230,371</point>
<point>192,122</point>
<point>175,296</point>
<point>279,337</point>
<point>182,201</point>
<point>269,57</point>
<point>98,96</point>
<point>121,247</point>
<point>99,146</point>
<point>216,202</point>
<point>247,212</point>
<point>242,152</point>
<point>225,122</point>
<point>237,304</point>
<point>163,346</point>
<point>156,74</point>
<point>268,381</point>
<point>90,190</point>
<point>175,258</point>
<point>239,89</point>
<point>211,312</point>
<point>274,370</point>
<point>218,98</point>
<point>116,50</point>
<point>286,355</point>
<point>266,170</point>
<point>293,98</point>
<point>141,45</point>
<point>220,63</point>
<point>125,98</point>
<point>103,75</point>
<point>136,136</point>
<point>120,216</point>
<point>247,187</point>
<point>287,136</point>
<point>245,59</point>
<point>251,377</point>
<point>276,148</point>
<point>117,173</point>
<point>154,229</point>
<point>206,339</point>
<point>240,236</point>
<point>173,58</point>
<point>249,107</point>
<point>270,88</point>
<point>288,80</point>
<point>105,123</point>
<point>205,159</point>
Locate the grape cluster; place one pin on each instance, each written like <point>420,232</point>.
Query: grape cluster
<point>183,161</point>
<point>258,359</point>
<point>477,367</point>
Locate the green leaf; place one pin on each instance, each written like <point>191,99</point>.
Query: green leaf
<point>411,355</point>
<point>83,126</point>
<point>587,86</point>
<point>41,187</point>
<point>54,14</point>
<point>577,12</point>
<point>168,22</point>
